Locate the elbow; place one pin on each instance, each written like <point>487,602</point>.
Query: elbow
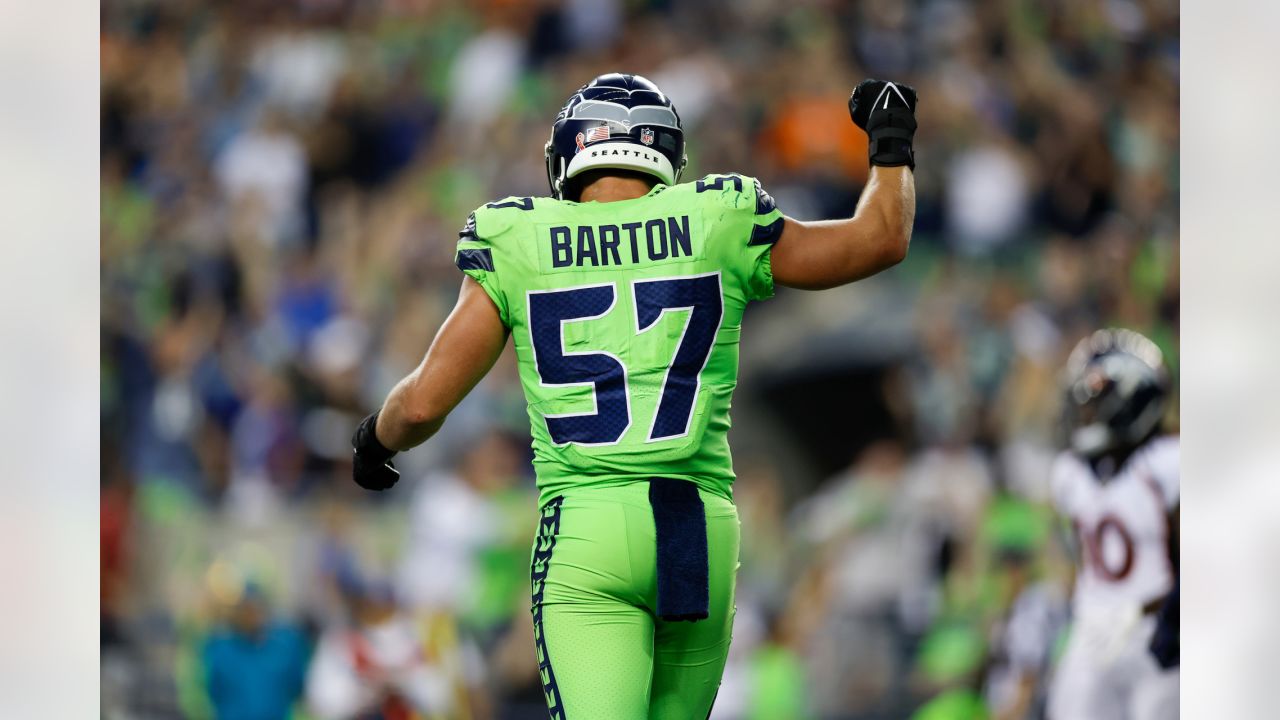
<point>421,404</point>
<point>894,249</point>
<point>897,251</point>
<point>424,415</point>
<point>406,425</point>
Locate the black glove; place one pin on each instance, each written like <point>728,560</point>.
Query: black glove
<point>887,112</point>
<point>372,466</point>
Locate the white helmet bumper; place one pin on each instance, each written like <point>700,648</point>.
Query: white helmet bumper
<point>622,156</point>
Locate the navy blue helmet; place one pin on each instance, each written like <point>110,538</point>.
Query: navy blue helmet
<point>1116,391</point>
<point>616,121</point>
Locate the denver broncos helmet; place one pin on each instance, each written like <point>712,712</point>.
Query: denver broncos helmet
<point>615,121</point>
<point>1116,390</point>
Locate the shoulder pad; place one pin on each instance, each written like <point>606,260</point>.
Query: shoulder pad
<point>738,191</point>
<point>493,219</point>
<point>744,194</point>
<point>468,231</point>
<point>473,253</point>
<point>764,201</point>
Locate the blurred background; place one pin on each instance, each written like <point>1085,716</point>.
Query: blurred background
<point>281,187</point>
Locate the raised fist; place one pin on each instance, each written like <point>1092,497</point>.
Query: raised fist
<point>887,112</point>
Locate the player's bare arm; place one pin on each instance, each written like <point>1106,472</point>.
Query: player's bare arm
<point>828,253</point>
<point>466,347</point>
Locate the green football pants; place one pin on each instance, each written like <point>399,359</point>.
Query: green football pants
<point>603,652</point>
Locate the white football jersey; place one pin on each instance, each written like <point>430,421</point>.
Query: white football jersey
<point>1121,524</point>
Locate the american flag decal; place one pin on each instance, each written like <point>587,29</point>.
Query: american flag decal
<point>600,132</point>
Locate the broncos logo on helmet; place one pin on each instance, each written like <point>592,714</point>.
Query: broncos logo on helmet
<point>615,121</point>
<point>1116,390</point>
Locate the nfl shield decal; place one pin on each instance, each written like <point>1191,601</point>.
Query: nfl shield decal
<point>646,136</point>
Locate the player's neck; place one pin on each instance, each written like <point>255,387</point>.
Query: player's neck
<point>611,188</point>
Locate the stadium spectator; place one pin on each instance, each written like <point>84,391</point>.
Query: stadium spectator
<point>378,665</point>
<point>254,666</point>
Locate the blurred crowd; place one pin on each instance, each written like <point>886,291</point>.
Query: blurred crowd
<point>281,186</point>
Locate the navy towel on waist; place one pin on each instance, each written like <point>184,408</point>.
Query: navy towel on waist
<point>680,522</point>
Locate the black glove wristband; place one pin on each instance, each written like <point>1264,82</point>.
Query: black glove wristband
<point>889,134</point>
<point>365,441</point>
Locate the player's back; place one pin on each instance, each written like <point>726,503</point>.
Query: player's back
<point>625,318</point>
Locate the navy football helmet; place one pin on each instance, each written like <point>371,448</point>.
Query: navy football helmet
<point>1116,390</point>
<point>615,121</point>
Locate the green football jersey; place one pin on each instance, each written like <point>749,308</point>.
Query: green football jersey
<point>626,319</point>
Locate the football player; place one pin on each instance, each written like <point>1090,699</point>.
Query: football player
<point>1117,484</point>
<point>623,294</point>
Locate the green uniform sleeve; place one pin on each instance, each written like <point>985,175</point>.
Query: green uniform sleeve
<point>767,224</point>
<point>751,224</point>
<point>475,257</point>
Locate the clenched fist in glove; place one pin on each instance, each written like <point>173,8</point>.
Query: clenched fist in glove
<point>887,112</point>
<point>373,469</point>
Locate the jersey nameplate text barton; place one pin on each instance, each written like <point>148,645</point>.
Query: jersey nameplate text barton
<point>651,241</point>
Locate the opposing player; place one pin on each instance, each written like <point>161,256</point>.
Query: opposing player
<point>1118,485</point>
<point>623,294</point>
